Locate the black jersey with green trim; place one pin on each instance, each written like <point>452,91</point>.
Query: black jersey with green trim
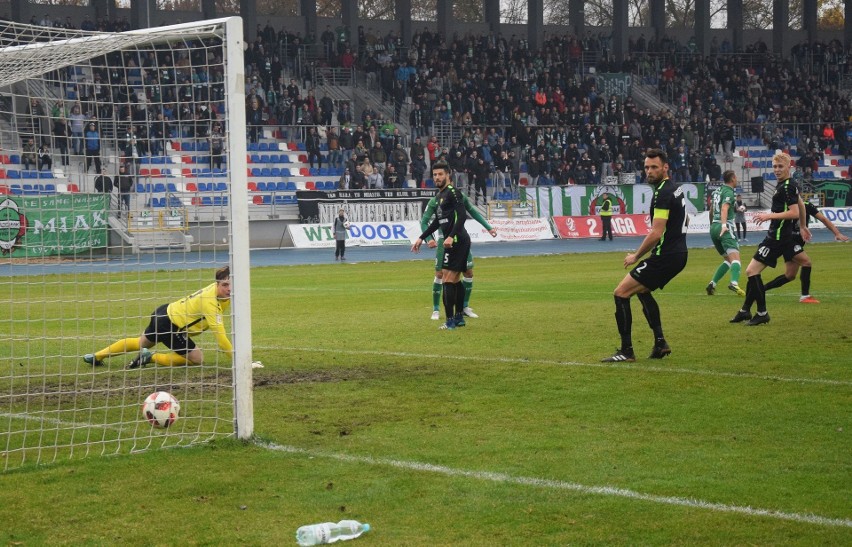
<point>811,211</point>
<point>450,214</point>
<point>786,194</point>
<point>669,197</point>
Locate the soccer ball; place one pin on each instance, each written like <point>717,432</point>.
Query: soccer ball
<point>741,208</point>
<point>161,409</point>
<point>347,224</point>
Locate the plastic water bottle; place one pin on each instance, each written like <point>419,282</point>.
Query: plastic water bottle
<point>329,532</point>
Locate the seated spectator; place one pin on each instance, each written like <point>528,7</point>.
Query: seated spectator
<point>392,178</point>
<point>44,158</point>
<point>28,157</point>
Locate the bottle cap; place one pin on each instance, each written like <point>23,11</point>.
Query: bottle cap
<point>366,527</point>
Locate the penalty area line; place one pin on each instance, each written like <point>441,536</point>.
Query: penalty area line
<point>521,360</point>
<point>503,478</point>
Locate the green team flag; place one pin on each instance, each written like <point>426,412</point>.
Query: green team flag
<point>582,200</point>
<point>35,226</point>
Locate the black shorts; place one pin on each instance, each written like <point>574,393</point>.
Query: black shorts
<point>161,330</point>
<point>798,247</point>
<point>655,271</point>
<point>770,249</point>
<point>455,258</point>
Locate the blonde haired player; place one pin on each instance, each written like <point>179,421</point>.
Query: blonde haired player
<point>780,240</point>
<point>174,325</point>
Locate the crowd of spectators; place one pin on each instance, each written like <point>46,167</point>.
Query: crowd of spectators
<point>132,102</point>
<point>547,108</point>
<point>505,105</point>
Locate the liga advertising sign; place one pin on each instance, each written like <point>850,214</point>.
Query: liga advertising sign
<point>578,227</point>
<point>52,225</point>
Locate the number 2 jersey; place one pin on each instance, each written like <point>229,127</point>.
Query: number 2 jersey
<point>669,203</point>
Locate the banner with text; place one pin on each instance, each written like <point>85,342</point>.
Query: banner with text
<point>555,201</point>
<point>699,223</point>
<point>392,205</point>
<point>52,225</point>
<point>576,227</point>
<point>840,216</point>
<point>375,234</point>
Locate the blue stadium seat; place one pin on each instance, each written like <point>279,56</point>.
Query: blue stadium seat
<point>291,186</point>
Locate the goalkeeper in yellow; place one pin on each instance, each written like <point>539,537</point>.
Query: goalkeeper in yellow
<point>174,325</point>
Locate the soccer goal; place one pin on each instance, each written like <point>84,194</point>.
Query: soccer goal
<point>113,148</point>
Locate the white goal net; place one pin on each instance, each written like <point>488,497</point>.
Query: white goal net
<point>122,189</point>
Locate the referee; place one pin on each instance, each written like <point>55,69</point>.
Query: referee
<point>606,216</point>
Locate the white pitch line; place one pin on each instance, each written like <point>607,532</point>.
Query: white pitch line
<point>504,478</point>
<point>620,366</point>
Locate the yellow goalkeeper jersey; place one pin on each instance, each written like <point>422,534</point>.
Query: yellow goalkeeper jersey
<point>201,311</point>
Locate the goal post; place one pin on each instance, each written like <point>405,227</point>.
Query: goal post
<point>140,108</point>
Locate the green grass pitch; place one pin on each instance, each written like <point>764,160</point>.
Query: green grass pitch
<point>506,432</point>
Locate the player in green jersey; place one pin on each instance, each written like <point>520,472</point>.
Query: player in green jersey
<point>438,245</point>
<point>721,232</point>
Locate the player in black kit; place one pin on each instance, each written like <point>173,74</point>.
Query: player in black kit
<point>780,240</point>
<point>802,259</point>
<point>450,217</point>
<point>667,243</point>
